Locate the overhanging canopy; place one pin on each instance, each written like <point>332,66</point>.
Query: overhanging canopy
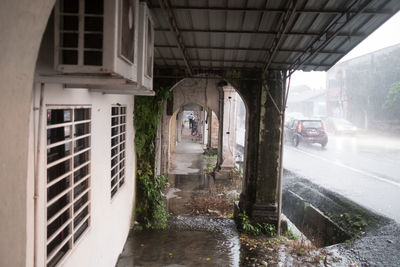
<point>206,36</point>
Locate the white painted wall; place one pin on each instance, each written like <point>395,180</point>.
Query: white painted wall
<point>110,218</point>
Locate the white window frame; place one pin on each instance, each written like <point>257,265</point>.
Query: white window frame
<point>117,180</point>
<point>70,189</point>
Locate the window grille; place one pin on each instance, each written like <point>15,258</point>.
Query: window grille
<point>118,136</point>
<point>68,179</point>
<point>81,32</point>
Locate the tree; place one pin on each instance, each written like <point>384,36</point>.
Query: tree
<point>392,103</point>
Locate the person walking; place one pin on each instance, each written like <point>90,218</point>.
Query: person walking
<point>190,117</point>
<point>194,128</point>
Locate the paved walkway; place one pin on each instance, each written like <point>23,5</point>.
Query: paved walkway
<point>187,241</point>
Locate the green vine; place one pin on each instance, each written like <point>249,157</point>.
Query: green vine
<point>248,228</point>
<point>150,205</point>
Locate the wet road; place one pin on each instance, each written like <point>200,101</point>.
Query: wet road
<point>364,168</point>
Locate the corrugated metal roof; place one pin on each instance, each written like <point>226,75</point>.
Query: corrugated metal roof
<point>202,35</point>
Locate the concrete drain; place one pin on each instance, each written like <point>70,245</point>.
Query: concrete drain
<point>317,227</point>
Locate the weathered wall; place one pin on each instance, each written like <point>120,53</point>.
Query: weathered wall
<point>20,41</point>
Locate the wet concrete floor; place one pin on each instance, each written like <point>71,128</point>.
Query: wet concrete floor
<point>188,240</point>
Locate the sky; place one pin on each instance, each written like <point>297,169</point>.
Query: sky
<point>384,36</point>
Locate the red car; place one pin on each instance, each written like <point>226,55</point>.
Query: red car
<point>307,131</point>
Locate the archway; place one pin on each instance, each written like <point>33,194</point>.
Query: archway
<point>213,96</point>
<point>203,130</point>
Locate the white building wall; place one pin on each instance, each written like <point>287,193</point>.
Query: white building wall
<point>110,218</point>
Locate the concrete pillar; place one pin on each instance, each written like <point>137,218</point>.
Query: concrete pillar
<point>203,125</point>
<point>165,140</point>
<point>158,150</point>
<point>209,124</point>
<point>229,128</point>
<point>179,126</point>
<point>261,186</point>
<point>220,128</point>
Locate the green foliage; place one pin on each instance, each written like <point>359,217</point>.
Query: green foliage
<point>290,235</point>
<point>392,102</point>
<point>235,173</point>
<point>211,152</point>
<point>150,206</point>
<point>257,229</point>
<point>210,158</point>
<point>353,223</point>
<point>211,161</point>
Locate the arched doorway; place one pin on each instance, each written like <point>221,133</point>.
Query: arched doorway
<point>211,96</point>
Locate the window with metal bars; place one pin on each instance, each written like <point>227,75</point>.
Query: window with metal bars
<point>68,179</point>
<point>81,32</point>
<point>118,136</point>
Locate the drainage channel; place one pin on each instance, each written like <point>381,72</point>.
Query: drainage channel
<point>317,227</point>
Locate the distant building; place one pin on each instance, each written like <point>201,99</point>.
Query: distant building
<point>357,88</point>
<point>309,102</point>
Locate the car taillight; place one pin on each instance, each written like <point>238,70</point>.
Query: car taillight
<point>299,127</point>
<point>324,127</point>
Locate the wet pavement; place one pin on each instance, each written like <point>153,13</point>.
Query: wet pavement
<point>364,168</point>
<point>188,240</point>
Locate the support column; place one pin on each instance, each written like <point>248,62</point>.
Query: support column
<point>204,129</point>
<point>209,124</point>
<point>261,189</point>
<point>179,126</point>
<point>229,128</point>
<point>165,138</point>
<point>220,128</point>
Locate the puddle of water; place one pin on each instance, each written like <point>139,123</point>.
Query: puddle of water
<point>188,241</point>
<point>183,188</point>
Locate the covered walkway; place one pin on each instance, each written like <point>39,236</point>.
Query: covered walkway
<point>190,239</point>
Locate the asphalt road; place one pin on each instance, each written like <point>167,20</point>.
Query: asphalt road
<point>364,168</point>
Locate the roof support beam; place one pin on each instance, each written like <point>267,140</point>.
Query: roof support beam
<point>332,52</point>
<point>239,61</point>
<point>288,17</point>
<point>273,33</point>
<point>274,10</point>
<point>329,34</point>
<point>164,4</point>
